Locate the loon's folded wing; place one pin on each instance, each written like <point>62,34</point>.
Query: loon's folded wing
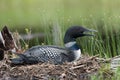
<point>43,54</point>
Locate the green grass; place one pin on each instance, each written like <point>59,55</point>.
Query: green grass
<point>106,74</point>
<point>52,16</point>
<point>44,15</point>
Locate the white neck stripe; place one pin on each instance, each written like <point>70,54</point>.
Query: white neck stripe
<point>69,44</point>
<point>77,53</point>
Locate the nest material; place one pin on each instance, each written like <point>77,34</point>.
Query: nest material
<point>79,70</point>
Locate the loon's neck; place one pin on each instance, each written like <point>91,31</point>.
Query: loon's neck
<point>76,52</point>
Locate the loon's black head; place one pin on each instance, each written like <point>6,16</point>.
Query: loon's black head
<point>76,31</point>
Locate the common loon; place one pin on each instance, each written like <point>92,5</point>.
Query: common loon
<point>54,54</point>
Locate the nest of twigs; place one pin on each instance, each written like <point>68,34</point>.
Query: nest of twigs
<point>79,70</point>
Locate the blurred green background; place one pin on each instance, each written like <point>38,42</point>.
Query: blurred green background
<point>55,16</point>
<point>38,13</point>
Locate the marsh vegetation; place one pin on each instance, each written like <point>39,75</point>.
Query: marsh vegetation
<point>53,17</point>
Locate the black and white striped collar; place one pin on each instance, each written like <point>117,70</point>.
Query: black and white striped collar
<point>72,45</point>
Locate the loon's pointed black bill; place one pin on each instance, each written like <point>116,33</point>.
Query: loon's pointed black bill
<point>89,30</point>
